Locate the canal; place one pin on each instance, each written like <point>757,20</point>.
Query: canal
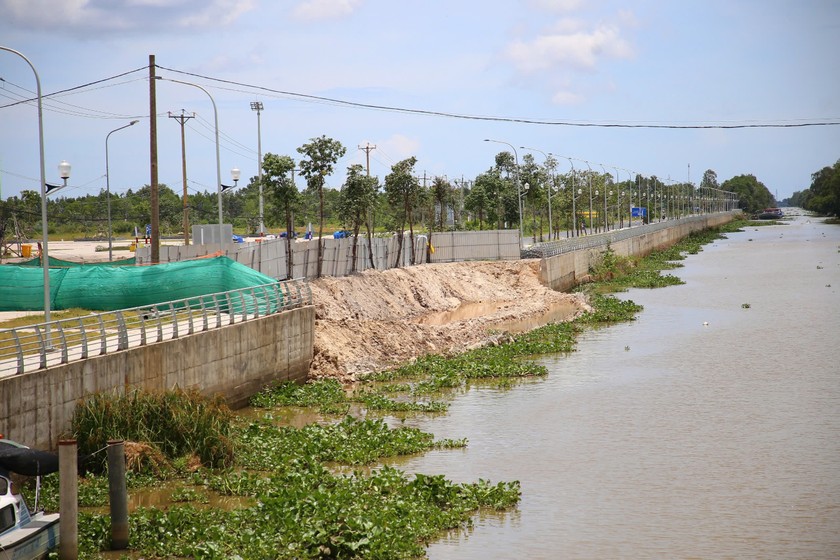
<point>707,428</point>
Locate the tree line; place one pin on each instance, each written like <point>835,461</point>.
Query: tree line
<point>537,198</point>
<point>823,196</point>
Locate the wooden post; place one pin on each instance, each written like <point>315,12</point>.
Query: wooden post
<point>117,494</point>
<point>68,489</point>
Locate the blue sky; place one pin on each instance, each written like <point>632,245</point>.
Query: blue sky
<point>646,62</point>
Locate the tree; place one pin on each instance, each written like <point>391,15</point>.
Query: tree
<point>321,155</point>
<point>825,191</point>
<point>752,194</point>
<point>404,193</point>
<point>441,196</point>
<point>355,204</point>
<point>709,180</point>
<point>477,201</point>
<point>282,192</point>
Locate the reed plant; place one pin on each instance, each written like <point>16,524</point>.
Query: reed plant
<point>168,425</point>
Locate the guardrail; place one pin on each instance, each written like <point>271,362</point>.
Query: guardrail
<point>35,347</point>
<point>568,245</point>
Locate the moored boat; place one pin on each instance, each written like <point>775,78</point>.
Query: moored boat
<point>24,534</point>
<point>771,214</point>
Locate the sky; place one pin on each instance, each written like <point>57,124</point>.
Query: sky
<point>429,79</point>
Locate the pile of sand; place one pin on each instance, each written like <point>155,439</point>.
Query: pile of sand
<point>378,319</point>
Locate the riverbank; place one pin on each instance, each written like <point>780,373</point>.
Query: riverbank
<point>379,319</point>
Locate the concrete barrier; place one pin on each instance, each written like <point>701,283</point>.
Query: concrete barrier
<point>234,361</point>
<point>565,271</point>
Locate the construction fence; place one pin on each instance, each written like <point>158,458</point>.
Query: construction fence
<point>284,259</point>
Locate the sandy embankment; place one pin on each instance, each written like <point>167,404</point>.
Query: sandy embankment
<point>374,320</point>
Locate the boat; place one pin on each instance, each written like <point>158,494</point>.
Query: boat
<point>25,534</point>
<point>771,214</point>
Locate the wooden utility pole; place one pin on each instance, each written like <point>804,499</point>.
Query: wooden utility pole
<point>153,163</point>
<point>368,149</point>
<point>182,119</point>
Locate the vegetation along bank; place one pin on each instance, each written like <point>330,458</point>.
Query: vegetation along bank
<point>296,476</point>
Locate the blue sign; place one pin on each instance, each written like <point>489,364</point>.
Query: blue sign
<point>638,212</point>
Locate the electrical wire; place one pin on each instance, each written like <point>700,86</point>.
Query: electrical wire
<point>589,124</point>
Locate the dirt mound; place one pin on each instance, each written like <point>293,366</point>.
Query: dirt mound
<point>379,319</point>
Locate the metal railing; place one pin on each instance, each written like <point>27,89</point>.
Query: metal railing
<point>568,245</point>
<point>35,347</point>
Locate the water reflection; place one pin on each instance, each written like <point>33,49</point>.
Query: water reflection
<point>703,429</point>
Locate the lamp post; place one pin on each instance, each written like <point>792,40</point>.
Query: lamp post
<point>108,187</point>
<point>550,185</point>
<point>620,193</point>
<point>606,221</point>
<point>518,188</point>
<point>590,194</point>
<point>574,214</point>
<point>218,160</point>
<point>44,230</point>
<point>258,107</point>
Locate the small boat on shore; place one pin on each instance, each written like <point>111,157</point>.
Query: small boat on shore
<point>24,534</point>
<point>771,214</point>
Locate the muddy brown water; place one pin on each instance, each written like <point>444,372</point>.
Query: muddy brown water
<point>707,428</point>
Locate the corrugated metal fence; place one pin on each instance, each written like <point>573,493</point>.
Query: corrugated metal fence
<point>270,256</point>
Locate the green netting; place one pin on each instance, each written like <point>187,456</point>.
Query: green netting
<point>106,288</point>
<point>59,263</point>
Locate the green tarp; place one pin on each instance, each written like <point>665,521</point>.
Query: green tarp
<point>107,288</point>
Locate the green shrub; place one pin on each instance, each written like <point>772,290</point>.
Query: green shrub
<point>163,425</point>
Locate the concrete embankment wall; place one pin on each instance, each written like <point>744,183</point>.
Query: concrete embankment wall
<point>567,270</point>
<point>234,361</point>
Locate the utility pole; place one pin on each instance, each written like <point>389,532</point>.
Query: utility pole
<point>368,149</point>
<point>182,119</point>
<point>153,163</point>
<point>258,107</point>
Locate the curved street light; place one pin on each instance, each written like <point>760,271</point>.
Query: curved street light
<point>218,160</point>
<point>606,220</point>
<point>108,187</point>
<point>518,188</point>
<point>575,231</point>
<point>590,193</point>
<point>550,185</point>
<point>44,230</point>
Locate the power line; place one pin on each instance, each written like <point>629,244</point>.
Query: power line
<point>74,88</point>
<point>588,124</point>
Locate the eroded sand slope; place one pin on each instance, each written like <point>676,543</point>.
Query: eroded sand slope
<point>374,320</point>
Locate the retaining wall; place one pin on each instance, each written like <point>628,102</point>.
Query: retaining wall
<point>235,361</point>
<point>565,271</point>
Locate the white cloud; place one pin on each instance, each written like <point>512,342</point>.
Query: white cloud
<point>121,15</point>
<point>567,98</point>
<point>556,5</point>
<point>400,147</point>
<point>313,10</point>
<point>578,48</point>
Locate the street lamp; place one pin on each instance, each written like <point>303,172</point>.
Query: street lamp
<point>574,214</point>
<point>258,107</point>
<point>108,187</point>
<point>218,160</point>
<point>518,189</point>
<point>590,194</point>
<point>604,169</point>
<point>550,185</point>
<point>44,231</point>
<point>234,174</point>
